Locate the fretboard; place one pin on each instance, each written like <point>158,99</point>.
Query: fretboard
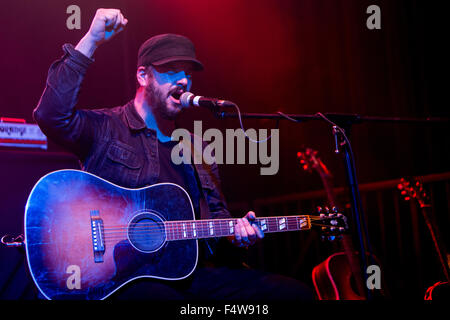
<point>198,229</point>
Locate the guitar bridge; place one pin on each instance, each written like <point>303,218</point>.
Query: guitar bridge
<point>98,242</point>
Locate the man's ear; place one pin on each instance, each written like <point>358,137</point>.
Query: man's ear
<point>142,76</point>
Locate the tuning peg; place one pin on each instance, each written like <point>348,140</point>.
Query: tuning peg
<point>334,209</point>
<point>319,209</point>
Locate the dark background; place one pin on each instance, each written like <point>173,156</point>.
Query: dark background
<point>294,56</point>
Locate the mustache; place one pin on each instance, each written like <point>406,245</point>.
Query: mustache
<point>177,91</point>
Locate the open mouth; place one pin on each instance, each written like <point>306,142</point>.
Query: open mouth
<point>176,94</point>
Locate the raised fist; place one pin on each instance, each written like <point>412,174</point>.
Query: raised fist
<point>106,24</point>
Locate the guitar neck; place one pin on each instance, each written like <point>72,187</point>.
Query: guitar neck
<point>328,186</point>
<point>210,228</point>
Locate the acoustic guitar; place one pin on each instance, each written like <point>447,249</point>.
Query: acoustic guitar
<point>86,237</point>
<point>413,190</point>
<point>339,276</point>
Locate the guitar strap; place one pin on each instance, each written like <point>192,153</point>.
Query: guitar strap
<point>204,209</point>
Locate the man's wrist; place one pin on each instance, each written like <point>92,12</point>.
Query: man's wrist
<point>86,46</point>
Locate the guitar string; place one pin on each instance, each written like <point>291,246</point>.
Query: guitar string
<point>269,219</point>
<point>113,241</point>
<point>148,234</point>
<point>217,229</point>
<point>149,239</point>
<point>199,222</point>
<point>178,230</point>
<point>179,226</point>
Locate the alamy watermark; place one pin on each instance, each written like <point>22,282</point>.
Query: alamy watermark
<point>233,145</point>
<point>374,20</point>
<point>374,277</point>
<point>73,21</point>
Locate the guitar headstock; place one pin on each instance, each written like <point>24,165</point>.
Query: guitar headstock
<point>413,189</point>
<point>309,160</point>
<point>333,223</point>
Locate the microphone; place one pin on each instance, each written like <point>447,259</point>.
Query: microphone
<point>188,99</point>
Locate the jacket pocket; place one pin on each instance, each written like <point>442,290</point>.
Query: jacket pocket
<point>122,164</point>
<point>206,181</point>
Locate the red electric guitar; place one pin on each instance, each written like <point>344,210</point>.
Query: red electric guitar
<point>413,189</point>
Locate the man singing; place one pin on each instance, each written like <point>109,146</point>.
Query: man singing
<point>131,145</point>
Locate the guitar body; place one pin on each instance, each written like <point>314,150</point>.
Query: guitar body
<point>333,279</point>
<point>84,235</point>
<point>440,291</point>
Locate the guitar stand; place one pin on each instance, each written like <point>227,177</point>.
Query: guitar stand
<point>342,145</point>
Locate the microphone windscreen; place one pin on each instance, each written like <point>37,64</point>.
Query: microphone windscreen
<point>185,99</point>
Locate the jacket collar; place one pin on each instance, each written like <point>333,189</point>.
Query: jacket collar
<point>135,122</point>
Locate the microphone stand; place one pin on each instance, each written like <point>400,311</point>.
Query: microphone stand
<point>342,145</point>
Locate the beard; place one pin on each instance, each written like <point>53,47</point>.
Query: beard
<point>158,101</point>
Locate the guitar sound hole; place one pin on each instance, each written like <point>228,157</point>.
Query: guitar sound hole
<point>146,232</point>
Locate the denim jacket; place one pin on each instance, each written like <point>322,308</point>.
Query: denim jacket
<point>113,143</point>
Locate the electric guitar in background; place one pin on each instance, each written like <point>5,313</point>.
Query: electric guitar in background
<point>86,237</point>
<point>413,190</point>
<point>339,276</point>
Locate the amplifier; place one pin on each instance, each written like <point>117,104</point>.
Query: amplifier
<point>17,133</point>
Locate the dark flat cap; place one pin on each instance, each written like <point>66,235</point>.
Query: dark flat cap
<point>166,48</point>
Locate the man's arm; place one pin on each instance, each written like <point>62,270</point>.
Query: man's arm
<point>55,113</point>
<point>246,233</point>
<point>107,23</point>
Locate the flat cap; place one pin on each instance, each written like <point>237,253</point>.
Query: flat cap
<point>165,48</point>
